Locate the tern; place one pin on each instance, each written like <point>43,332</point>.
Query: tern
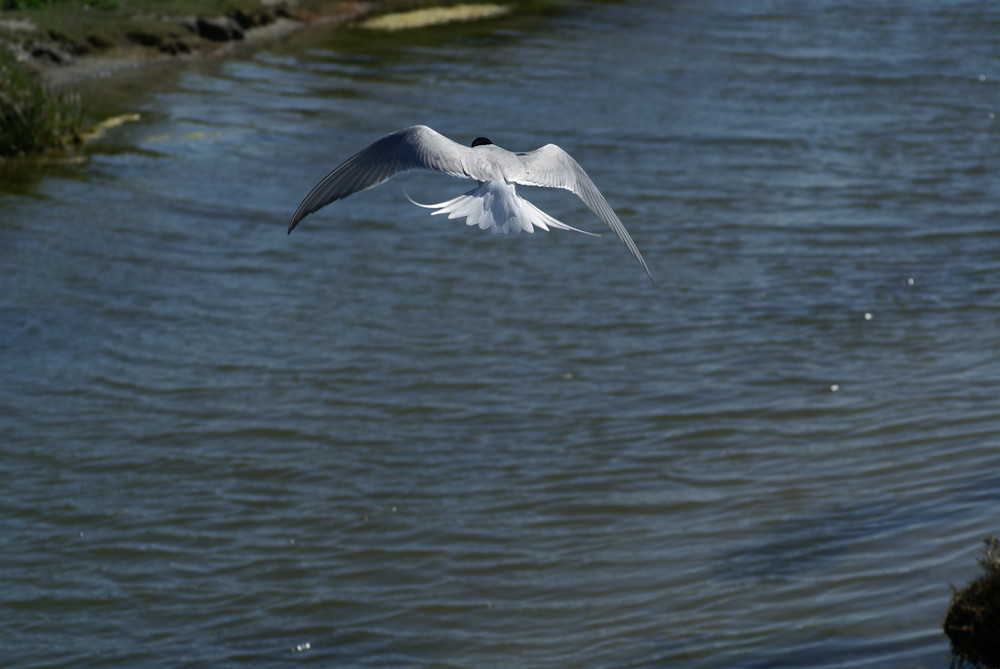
<point>493,204</point>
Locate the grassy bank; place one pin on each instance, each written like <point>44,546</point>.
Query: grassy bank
<point>44,42</point>
<point>58,32</point>
<point>34,118</point>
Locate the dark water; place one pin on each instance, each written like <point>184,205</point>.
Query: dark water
<point>389,440</point>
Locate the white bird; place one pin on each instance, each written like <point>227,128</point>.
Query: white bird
<point>493,204</point>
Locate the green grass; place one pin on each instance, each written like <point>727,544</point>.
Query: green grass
<point>33,118</point>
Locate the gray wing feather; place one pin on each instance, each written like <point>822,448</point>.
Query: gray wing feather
<point>414,148</point>
<point>552,167</point>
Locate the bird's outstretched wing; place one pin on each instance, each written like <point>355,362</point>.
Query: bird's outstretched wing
<point>552,167</point>
<point>414,148</point>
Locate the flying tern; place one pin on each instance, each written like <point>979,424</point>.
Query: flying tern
<point>493,204</point>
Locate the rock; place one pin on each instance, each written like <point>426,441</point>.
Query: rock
<point>242,19</point>
<point>144,38</point>
<point>219,29</point>
<point>99,42</point>
<point>165,43</point>
<point>68,44</point>
<point>49,53</point>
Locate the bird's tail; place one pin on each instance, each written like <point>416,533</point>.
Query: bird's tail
<point>497,206</point>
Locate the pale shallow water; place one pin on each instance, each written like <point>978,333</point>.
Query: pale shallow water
<point>391,440</point>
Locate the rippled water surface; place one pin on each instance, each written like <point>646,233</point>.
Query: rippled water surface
<point>389,440</point>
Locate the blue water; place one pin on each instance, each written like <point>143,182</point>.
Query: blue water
<point>389,440</point>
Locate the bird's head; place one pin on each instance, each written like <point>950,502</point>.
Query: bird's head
<point>479,141</point>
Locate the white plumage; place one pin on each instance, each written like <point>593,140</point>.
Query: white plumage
<point>496,205</point>
<point>493,204</point>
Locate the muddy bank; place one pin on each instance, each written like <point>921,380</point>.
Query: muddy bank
<point>47,46</point>
<point>47,49</point>
<point>72,41</point>
<point>64,44</point>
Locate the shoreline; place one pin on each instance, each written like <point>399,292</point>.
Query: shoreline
<point>62,58</point>
<point>71,43</point>
<point>51,53</point>
<point>53,50</point>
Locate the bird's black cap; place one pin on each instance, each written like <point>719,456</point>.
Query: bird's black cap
<point>479,141</point>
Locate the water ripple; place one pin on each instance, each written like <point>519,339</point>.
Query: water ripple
<point>389,440</point>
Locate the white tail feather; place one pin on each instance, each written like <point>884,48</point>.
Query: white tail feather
<point>497,206</point>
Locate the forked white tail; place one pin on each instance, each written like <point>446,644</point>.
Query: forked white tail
<point>496,205</point>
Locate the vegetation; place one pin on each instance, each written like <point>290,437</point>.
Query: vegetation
<point>50,35</point>
<point>47,34</point>
<point>973,620</point>
<point>32,117</point>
